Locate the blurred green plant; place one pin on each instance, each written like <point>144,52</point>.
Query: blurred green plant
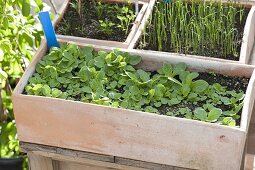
<point>20,35</point>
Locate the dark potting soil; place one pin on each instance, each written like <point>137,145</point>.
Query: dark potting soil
<point>88,25</point>
<point>215,54</point>
<point>231,83</point>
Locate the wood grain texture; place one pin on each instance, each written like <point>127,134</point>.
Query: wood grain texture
<point>132,134</point>
<point>75,155</point>
<point>251,139</point>
<point>143,24</point>
<point>249,162</point>
<point>37,162</point>
<point>248,37</point>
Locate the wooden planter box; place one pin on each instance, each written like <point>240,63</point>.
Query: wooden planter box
<point>247,41</point>
<point>139,18</point>
<point>134,134</point>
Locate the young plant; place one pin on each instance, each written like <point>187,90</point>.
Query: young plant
<point>106,26</point>
<point>110,78</point>
<point>210,29</point>
<point>125,17</point>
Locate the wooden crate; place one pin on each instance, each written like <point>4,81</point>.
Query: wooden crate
<point>136,23</point>
<point>43,157</point>
<point>134,134</point>
<point>247,42</point>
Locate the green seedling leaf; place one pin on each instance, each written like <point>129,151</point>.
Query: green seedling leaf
<point>56,93</point>
<point>179,68</point>
<point>46,90</point>
<point>199,86</point>
<point>229,121</point>
<point>214,115</point>
<point>134,60</point>
<point>190,77</point>
<point>174,80</point>
<point>143,75</point>
<point>185,90</point>
<point>166,70</point>
<point>200,114</point>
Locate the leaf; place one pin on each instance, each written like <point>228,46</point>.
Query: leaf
<point>56,92</point>
<point>169,113</point>
<point>190,77</point>
<point>174,101</point>
<point>164,100</point>
<point>143,75</point>
<point>157,104</point>
<point>200,114</point>
<point>114,95</point>
<point>99,62</point>
<point>5,23</point>
<point>46,90</point>
<point>86,89</point>
<point>199,86</point>
<point>134,60</point>
<point>219,88</point>
<point>185,90</point>
<point>3,74</point>
<point>124,104</point>
<point>134,90</point>
<point>166,69</point>
<point>132,76</point>
<point>229,121</point>
<point>26,7</point>
<point>1,55</point>
<point>214,115</point>
<point>174,80</point>
<point>179,68</point>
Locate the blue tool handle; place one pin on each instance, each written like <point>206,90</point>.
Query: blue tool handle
<point>48,29</point>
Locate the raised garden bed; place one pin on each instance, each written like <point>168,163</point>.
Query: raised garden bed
<point>111,22</point>
<point>135,134</point>
<point>211,34</point>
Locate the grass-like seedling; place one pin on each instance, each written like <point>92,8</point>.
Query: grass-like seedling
<point>199,27</point>
<point>110,78</point>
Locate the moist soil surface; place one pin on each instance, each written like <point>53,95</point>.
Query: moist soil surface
<point>87,24</point>
<point>215,54</point>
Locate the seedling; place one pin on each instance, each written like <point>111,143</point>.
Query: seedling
<point>110,78</point>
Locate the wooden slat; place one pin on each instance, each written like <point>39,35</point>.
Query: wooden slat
<point>76,157</point>
<point>142,25</point>
<point>37,162</point>
<point>30,147</point>
<point>251,139</point>
<point>248,37</point>
<point>136,23</point>
<point>249,162</point>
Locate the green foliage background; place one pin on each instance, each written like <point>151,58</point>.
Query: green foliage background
<point>20,35</point>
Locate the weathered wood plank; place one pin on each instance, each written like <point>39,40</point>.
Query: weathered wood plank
<point>30,147</point>
<point>37,162</point>
<point>251,139</point>
<point>248,37</point>
<point>72,156</point>
<point>249,162</point>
